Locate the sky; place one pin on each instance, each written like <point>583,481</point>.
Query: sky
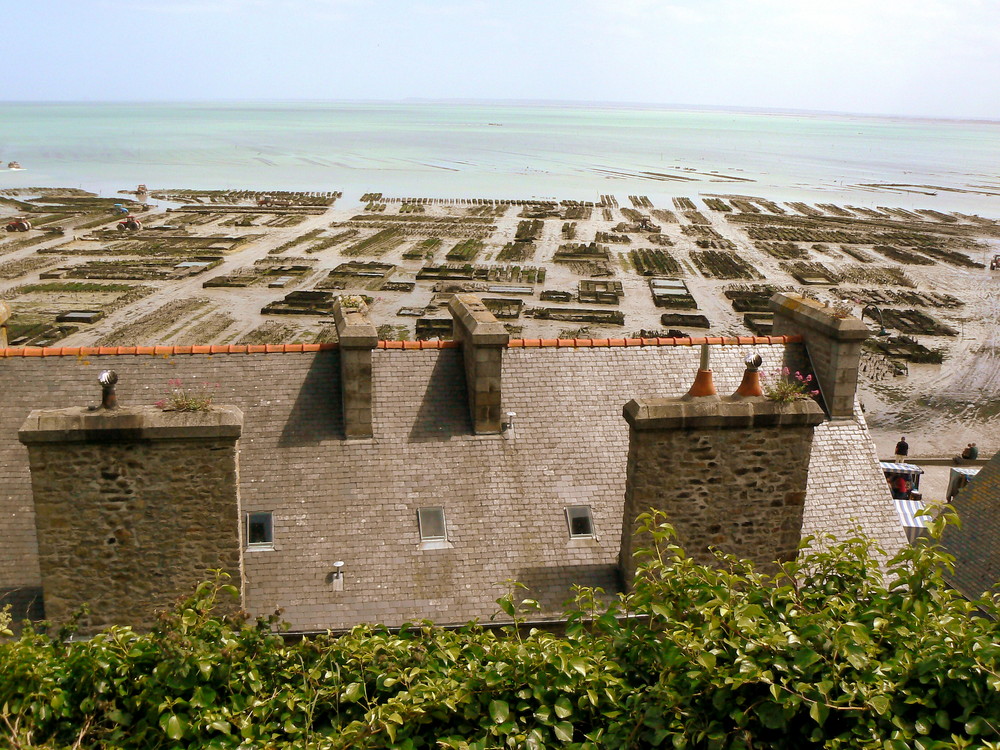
<point>936,58</point>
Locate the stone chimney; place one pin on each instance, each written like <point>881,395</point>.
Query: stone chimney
<point>4,317</point>
<point>357,338</point>
<point>483,339</point>
<point>728,472</point>
<point>833,343</point>
<point>133,508</point>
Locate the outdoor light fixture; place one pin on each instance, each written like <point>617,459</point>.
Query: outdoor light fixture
<point>337,576</point>
<point>507,428</point>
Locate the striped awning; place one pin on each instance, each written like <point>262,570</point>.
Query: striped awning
<point>969,471</point>
<point>900,468</point>
<point>907,510</point>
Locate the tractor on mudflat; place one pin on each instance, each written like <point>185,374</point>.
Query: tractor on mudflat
<point>129,224</point>
<point>20,224</point>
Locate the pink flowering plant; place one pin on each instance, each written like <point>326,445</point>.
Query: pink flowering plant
<point>786,386</point>
<point>187,398</point>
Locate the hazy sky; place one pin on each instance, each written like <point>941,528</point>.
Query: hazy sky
<point>916,57</point>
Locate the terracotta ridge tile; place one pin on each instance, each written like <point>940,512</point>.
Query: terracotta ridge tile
<point>164,350</point>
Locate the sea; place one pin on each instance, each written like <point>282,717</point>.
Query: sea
<point>455,150</point>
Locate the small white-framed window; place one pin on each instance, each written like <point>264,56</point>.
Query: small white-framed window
<point>580,522</point>
<point>260,530</point>
<point>432,525</point>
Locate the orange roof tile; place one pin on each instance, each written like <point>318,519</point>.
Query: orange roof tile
<point>106,351</point>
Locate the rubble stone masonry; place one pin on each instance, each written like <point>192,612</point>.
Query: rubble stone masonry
<point>729,474</point>
<point>132,508</point>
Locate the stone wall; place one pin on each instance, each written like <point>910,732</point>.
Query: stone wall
<point>833,344</point>
<point>132,508</point>
<point>727,474</point>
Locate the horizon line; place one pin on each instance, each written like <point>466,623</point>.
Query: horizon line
<point>517,102</point>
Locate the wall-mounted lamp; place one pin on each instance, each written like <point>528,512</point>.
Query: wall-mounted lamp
<point>507,428</point>
<point>337,576</point>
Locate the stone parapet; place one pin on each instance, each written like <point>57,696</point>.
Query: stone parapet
<point>133,508</point>
<point>728,473</point>
<point>83,425</point>
<point>833,343</point>
<point>675,414</point>
<point>483,339</point>
<point>357,338</point>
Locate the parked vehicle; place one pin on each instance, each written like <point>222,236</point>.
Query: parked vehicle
<point>20,224</point>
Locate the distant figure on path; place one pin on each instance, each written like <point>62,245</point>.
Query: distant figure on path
<point>902,450</point>
<point>971,453</point>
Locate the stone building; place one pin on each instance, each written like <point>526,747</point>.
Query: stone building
<point>380,481</point>
<point>974,545</point>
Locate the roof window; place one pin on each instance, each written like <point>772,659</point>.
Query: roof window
<point>260,530</point>
<point>580,522</point>
<point>433,528</point>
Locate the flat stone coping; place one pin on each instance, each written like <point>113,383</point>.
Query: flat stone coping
<point>354,330</point>
<point>713,412</point>
<point>82,425</point>
<point>477,321</point>
<point>818,317</point>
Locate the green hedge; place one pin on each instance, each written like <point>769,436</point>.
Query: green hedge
<point>830,652</point>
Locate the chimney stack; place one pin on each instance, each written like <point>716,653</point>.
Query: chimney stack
<point>727,472</point>
<point>4,317</point>
<point>357,338</point>
<point>833,343</point>
<point>483,339</point>
<point>132,506</point>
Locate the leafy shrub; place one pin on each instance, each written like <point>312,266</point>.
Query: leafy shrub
<point>832,651</point>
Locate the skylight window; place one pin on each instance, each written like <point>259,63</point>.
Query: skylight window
<point>580,521</point>
<point>260,530</point>
<point>432,525</point>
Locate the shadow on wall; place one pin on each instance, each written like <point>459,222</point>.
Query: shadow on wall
<point>25,602</point>
<point>444,410</point>
<point>552,587</point>
<point>318,412</point>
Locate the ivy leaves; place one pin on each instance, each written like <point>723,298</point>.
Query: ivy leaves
<point>833,650</point>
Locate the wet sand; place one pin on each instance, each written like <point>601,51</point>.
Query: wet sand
<point>925,261</point>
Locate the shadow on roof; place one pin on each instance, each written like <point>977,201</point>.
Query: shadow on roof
<point>318,412</point>
<point>444,410</point>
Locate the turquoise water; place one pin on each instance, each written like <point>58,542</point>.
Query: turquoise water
<point>449,150</point>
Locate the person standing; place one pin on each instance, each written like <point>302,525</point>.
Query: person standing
<point>902,450</point>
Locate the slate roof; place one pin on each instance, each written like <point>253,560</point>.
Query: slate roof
<point>357,500</point>
<point>974,546</point>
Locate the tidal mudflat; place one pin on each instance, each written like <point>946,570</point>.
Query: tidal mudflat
<point>253,267</point>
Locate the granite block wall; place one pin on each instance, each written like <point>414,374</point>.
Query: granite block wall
<point>129,520</point>
<point>740,489</point>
